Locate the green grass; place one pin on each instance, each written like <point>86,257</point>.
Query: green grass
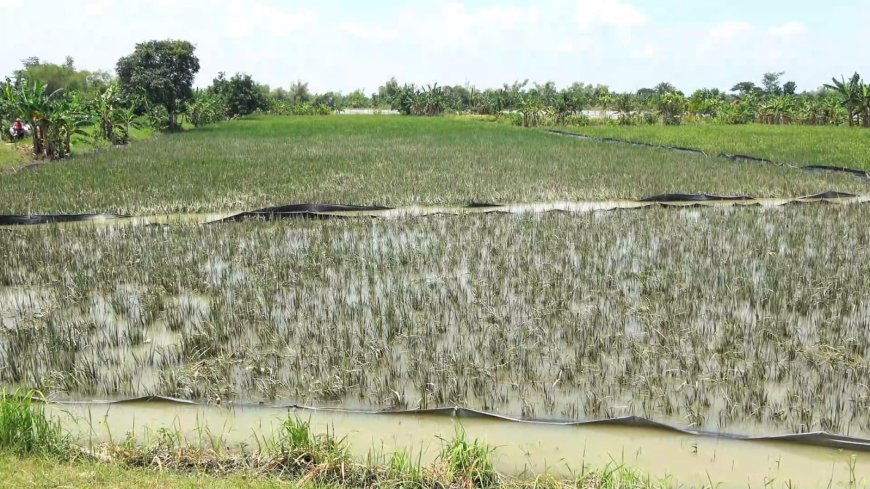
<point>805,145</point>
<point>16,155</point>
<point>256,162</point>
<point>12,155</point>
<point>24,428</point>
<point>298,458</point>
<point>41,472</point>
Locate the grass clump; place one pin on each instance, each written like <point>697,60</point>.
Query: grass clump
<point>468,463</point>
<point>320,458</point>
<point>24,427</point>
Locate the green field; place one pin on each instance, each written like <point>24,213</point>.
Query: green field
<point>804,145</point>
<point>12,155</point>
<point>392,161</point>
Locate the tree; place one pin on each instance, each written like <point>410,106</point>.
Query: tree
<point>387,92</point>
<point>357,100</point>
<point>63,76</point>
<point>671,107</point>
<point>707,102</point>
<point>241,95</point>
<point>770,82</point>
<point>745,88</point>
<point>664,87</point>
<point>789,88</point>
<point>299,93</point>
<point>161,72</point>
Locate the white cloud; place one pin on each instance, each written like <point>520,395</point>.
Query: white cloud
<point>454,25</point>
<point>257,18</point>
<point>787,31</point>
<point>728,41</point>
<point>607,13</point>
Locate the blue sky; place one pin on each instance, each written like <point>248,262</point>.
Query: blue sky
<point>346,45</point>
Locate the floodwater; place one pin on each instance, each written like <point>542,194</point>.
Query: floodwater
<point>522,449</point>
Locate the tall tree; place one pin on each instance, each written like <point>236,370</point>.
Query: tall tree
<point>664,87</point>
<point>770,82</point>
<point>161,72</point>
<point>241,95</point>
<point>299,93</point>
<point>63,76</point>
<point>745,88</point>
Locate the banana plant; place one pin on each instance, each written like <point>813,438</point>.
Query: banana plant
<point>71,116</point>
<point>848,92</point>
<point>34,103</point>
<point>863,97</point>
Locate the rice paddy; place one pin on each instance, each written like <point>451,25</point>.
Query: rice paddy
<point>804,145</point>
<point>259,162</point>
<point>574,301</point>
<point>744,320</point>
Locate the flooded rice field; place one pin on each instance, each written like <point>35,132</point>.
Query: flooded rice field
<point>414,211</point>
<point>521,449</point>
<point>751,320</point>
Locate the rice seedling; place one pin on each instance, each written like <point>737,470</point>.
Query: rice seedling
<point>746,320</point>
<point>258,162</point>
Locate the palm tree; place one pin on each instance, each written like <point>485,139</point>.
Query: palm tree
<point>848,93</point>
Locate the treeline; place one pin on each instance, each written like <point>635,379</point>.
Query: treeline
<point>153,87</point>
<point>845,101</point>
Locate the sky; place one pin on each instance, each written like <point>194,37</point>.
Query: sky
<point>344,45</point>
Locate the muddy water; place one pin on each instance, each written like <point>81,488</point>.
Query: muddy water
<point>522,448</point>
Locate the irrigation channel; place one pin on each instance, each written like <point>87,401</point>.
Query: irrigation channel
<point>333,211</point>
<point>522,448</point>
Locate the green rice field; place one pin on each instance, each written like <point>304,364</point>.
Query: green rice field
<point>257,162</point>
<point>847,147</point>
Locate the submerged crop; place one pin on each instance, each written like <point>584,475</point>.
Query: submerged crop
<point>742,320</point>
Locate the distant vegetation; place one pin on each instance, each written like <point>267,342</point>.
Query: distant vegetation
<point>153,87</point>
